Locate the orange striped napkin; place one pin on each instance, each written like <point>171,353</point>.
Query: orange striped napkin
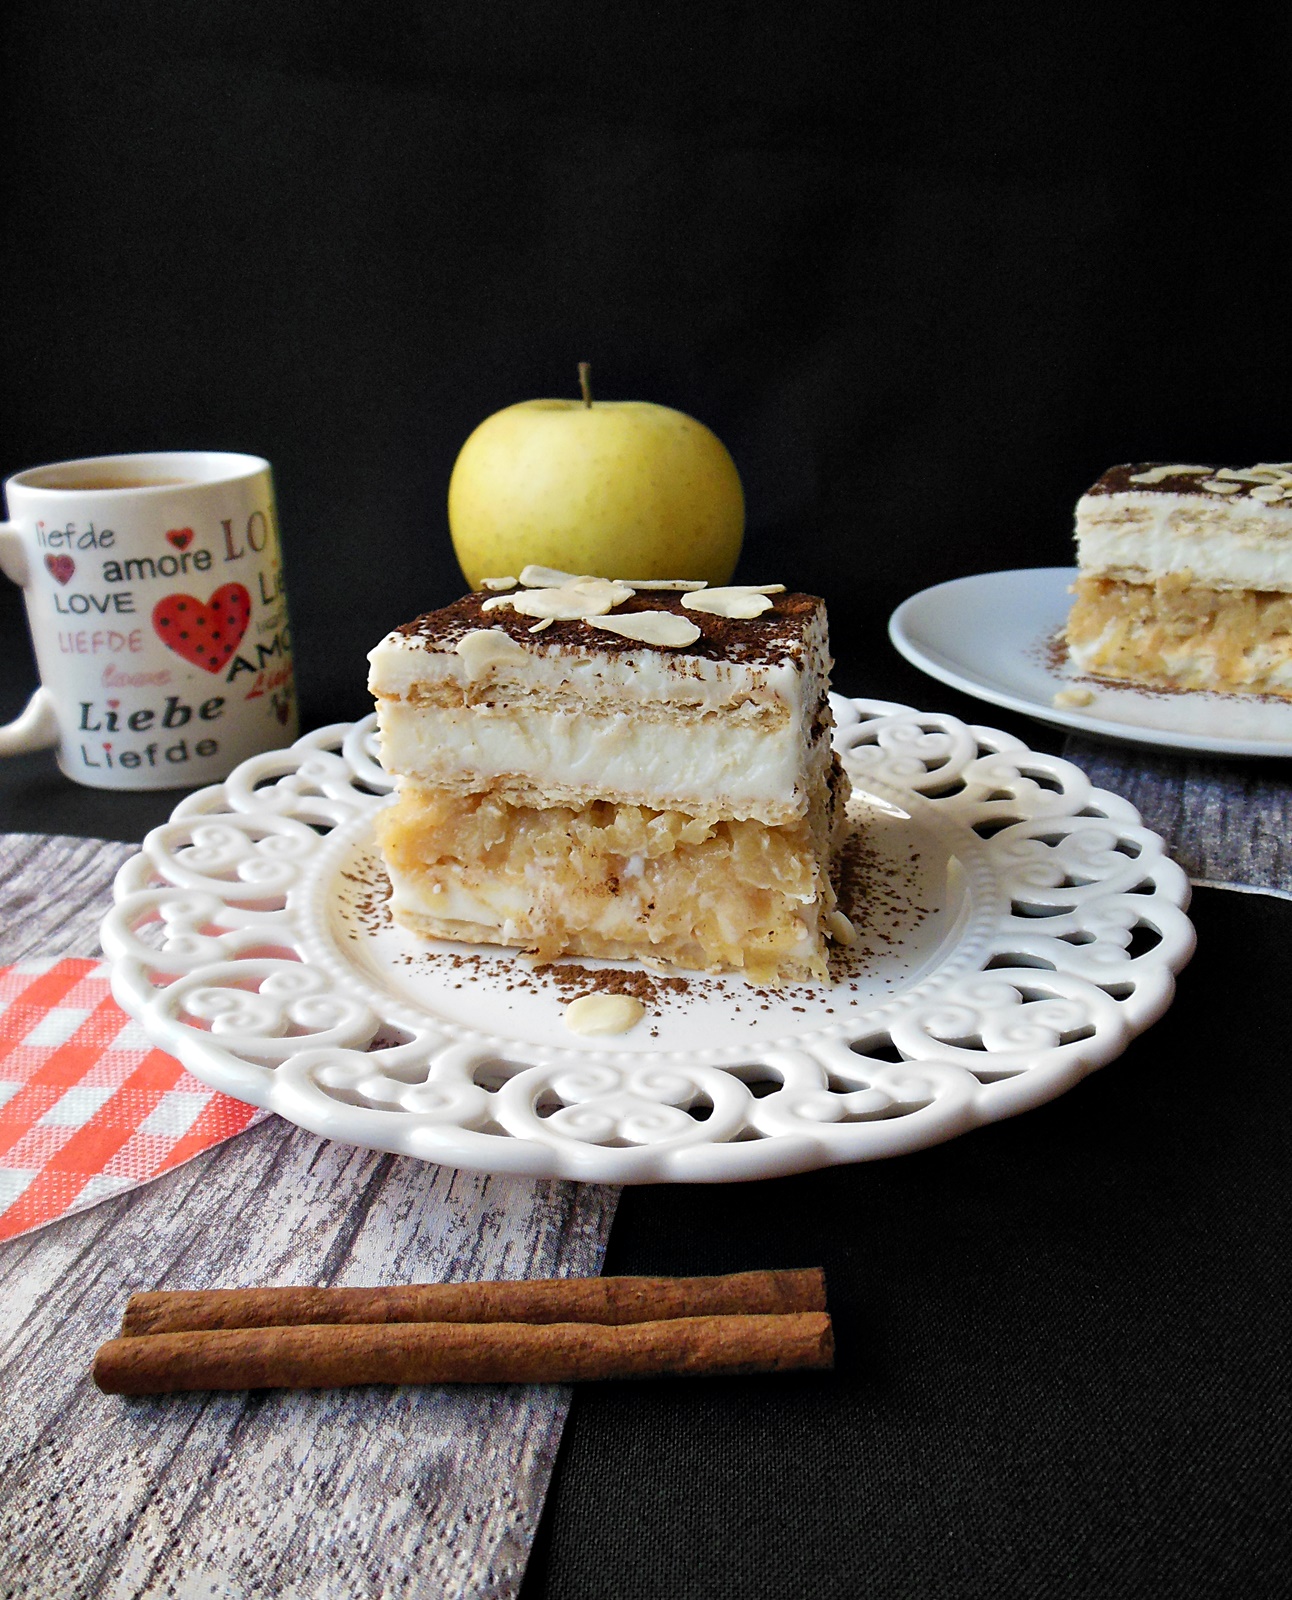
<point>88,1107</point>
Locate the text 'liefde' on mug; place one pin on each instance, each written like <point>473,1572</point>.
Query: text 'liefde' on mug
<point>154,591</point>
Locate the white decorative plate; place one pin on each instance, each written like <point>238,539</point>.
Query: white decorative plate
<point>1018,927</point>
<point>991,636</point>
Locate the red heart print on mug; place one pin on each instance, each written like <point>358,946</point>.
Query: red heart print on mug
<point>205,635</point>
<point>181,538</point>
<point>62,567</point>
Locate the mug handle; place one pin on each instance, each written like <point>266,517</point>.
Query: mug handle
<point>37,727</point>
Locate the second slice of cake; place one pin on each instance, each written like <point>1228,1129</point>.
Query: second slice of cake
<point>1185,578</point>
<point>651,780</point>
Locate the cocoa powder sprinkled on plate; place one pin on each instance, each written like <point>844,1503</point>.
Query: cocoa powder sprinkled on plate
<point>570,978</point>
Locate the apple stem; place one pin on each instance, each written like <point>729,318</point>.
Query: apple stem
<point>585,382</point>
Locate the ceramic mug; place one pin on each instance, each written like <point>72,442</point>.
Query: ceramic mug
<point>155,599</point>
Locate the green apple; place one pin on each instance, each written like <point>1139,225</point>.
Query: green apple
<point>607,488</point>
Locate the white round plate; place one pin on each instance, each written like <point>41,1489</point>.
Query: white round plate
<point>992,636</point>
<point>1016,928</point>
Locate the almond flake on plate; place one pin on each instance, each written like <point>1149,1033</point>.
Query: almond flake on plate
<point>603,1013</point>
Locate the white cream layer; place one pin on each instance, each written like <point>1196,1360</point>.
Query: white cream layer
<point>695,764</point>
<point>1139,537</point>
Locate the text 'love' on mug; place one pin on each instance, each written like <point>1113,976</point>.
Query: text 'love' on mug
<point>154,590</point>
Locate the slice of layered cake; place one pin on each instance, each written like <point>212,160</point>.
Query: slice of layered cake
<point>1185,578</point>
<point>615,770</point>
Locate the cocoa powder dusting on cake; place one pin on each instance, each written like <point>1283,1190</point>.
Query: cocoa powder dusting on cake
<point>769,640</point>
<point>1117,480</point>
<point>1236,483</point>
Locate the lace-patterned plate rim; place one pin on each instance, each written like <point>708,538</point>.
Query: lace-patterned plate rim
<point>1034,927</point>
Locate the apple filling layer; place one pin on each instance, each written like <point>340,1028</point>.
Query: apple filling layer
<point>1177,634</point>
<point>613,880</point>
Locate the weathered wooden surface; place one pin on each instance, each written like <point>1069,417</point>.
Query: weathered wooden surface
<point>365,1492</point>
<point>1227,822</point>
<point>53,893</point>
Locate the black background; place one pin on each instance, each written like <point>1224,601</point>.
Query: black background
<point>927,270</point>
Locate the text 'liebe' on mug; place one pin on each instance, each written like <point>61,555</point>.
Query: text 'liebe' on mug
<point>154,593</point>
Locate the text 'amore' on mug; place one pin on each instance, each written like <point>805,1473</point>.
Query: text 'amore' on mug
<point>154,592</point>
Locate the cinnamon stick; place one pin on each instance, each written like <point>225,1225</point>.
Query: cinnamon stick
<point>328,1356</point>
<point>543,1300</point>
